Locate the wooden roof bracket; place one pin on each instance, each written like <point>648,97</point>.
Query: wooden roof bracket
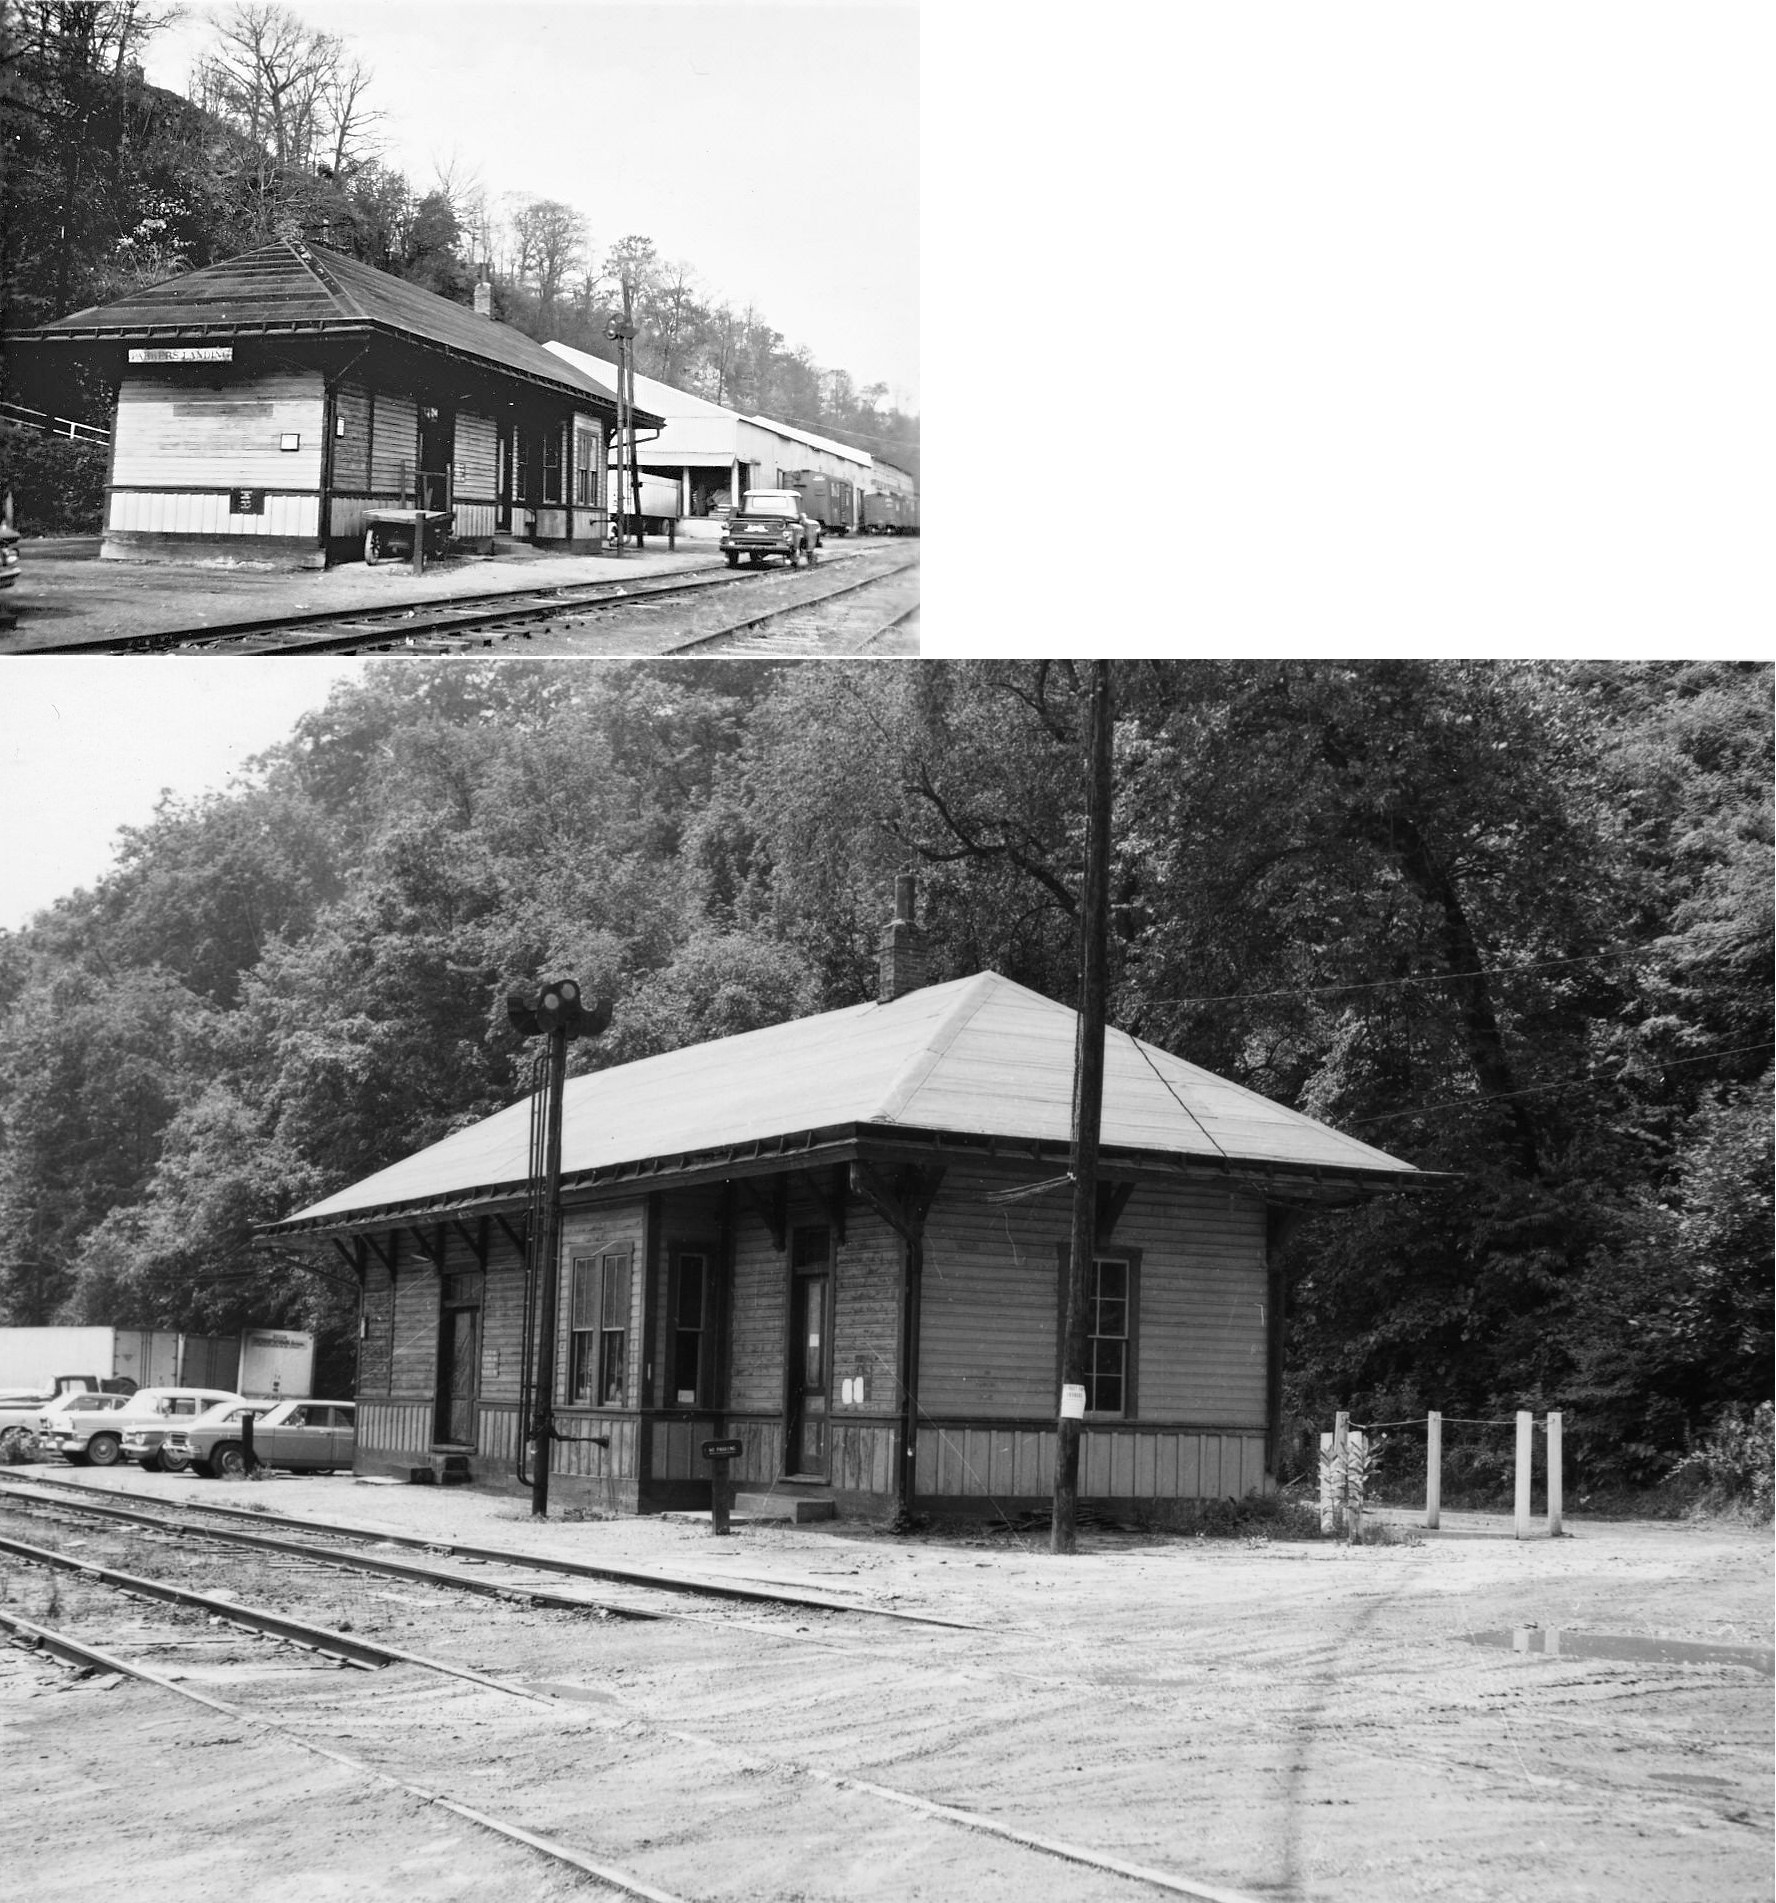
<point>773,1210</point>
<point>476,1238</point>
<point>516,1237</point>
<point>432,1247</point>
<point>831,1196</point>
<point>1113,1199</point>
<point>385,1257</point>
<point>902,1200</point>
<point>354,1257</point>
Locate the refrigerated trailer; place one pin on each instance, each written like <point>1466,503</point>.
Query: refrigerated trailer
<point>259,1361</point>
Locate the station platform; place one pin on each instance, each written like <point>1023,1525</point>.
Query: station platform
<point>66,595</point>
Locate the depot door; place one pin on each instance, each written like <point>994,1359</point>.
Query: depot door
<point>459,1361</point>
<point>807,1447</point>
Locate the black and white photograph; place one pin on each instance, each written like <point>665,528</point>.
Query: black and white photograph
<point>664,1235</point>
<point>338,328</point>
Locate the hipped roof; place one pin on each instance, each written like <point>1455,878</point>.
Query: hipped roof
<point>288,288</point>
<point>980,1057</point>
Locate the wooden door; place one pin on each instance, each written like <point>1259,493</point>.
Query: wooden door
<point>459,1333</point>
<point>810,1360</point>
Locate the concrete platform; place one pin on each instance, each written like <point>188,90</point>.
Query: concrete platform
<point>66,595</point>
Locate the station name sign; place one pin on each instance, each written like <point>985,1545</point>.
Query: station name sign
<point>183,353</point>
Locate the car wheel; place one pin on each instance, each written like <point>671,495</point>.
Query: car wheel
<point>174,1464</point>
<point>229,1461</point>
<point>733,558</point>
<point>372,547</point>
<point>152,1464</point>
<point>104,1450</point>
<point>17,1445</point>
<point>75,1460</point>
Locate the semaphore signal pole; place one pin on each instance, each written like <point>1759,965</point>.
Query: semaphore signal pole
<point>1088,1107</point>
<point>559,1013</point>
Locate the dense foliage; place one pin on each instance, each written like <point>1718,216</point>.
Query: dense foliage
<point>111,183</point>
<point>1511,923</point>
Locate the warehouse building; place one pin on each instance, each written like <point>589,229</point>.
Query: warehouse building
<point>840,1241</point>
<point>716,454</point>
<point>266,404</point>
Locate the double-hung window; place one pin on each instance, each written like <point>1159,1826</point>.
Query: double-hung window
<point>1112,1322</point>
<point>598,1359</point>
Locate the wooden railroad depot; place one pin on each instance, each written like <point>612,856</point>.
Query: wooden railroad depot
<point>266,406</point>
<point>840,1241</point>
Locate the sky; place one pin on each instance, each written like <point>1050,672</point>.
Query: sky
<point>774,147</point>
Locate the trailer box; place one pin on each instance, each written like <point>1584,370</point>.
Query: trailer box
<point>276,1362</point>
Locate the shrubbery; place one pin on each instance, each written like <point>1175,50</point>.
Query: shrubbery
<point>58,486</point>
<point>1736,1465</point>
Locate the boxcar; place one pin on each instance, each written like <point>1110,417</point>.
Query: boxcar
<point>890,515</point>
<point>830,500</point>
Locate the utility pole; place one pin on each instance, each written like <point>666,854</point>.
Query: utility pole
<point>621,331</point>
<point>559,1013</point>
<point>1088,1106</point>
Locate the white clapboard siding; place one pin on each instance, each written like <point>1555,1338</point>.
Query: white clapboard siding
<point>351,438</point>
<point>395,441</point>
<point>476,455</point>
<point>185,513</point>
<point>474,519</point>
<point>178,435</point>
<point>990,1296</point>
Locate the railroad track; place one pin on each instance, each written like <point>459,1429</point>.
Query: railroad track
<point>345,1647</point>
<point>468,623</point>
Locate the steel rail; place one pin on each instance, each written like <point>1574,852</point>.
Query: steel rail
<point>360,1562</point>
<point>777,614</point>
<point>836,1780</point>
<point>322,1639</point>
<point>502,1556</point>
<point>88,1658</point>
<point>376,623</point>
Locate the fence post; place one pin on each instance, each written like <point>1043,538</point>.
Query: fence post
<point>1556,1479</point>
<point>1341,1427</point>
<point>1525,1444</point>
<point>1433,1470</point>
<point>1328,1516</point>
<point>1356,1471</point>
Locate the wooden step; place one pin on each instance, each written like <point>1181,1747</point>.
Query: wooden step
<point>798,1508</point>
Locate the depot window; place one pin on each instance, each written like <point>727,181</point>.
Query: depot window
<point>552,466</point>
<point>598,1358</point>
<point>691,1315</point>
<point>1112,1316</point>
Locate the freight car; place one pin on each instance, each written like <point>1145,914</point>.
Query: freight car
<point>830,500</point>
<point>890,515</point>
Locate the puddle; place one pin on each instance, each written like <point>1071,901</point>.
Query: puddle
<point>1555,1642</point>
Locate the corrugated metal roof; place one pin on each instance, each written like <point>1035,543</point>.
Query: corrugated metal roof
<point>673,404</point>
<point>980,1056</point>
<point>311,287</point>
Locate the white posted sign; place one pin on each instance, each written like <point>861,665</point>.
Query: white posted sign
<point>183,353</point>
<point>1072,1401</point>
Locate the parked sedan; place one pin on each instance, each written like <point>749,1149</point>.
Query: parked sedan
<point>175,1451</point>
<point>302,1436</point>
<point>26,1422</point>
<point>84,1434</point>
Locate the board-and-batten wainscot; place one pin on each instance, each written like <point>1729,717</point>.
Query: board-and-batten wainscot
<point>267,404</point>
<point>800,1238</point>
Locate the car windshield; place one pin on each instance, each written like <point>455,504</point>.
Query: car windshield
<point>770,505</point>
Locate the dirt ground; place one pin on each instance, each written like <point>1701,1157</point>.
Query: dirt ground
<point>1284,1720</point>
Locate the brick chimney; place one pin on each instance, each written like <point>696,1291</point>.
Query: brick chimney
<point>903,947</point>
<point>483,298</point>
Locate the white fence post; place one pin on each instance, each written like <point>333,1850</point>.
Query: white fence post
<point>1556,1479</point>
<point>1433,1470</point>
<point>1525,1444</point>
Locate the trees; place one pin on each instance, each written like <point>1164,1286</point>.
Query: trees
<point>1509,922</point>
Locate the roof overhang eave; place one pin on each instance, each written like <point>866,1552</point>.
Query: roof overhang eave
<point>588,396</point>
<point>1281,1182</point>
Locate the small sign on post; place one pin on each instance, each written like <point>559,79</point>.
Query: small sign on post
<point>721,1494</point>
<point>1072,1401</point>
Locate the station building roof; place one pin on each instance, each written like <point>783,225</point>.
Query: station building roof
<point>288,288</point>
<point>979,1059</point>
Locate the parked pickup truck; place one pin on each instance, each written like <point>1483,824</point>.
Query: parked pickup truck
<point>770,522</point>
